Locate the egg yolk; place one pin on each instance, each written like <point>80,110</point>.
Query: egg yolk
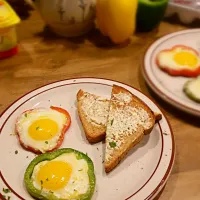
<point>43,129</point>
<point>54,175</point>
<point>186,59</point>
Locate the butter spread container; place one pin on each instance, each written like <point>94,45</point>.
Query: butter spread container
<point>8,37</point>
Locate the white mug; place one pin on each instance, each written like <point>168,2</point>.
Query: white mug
<point>67,18</point>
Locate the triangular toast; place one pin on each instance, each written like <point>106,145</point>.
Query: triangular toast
<point>93,113</point>
<point>128,121</point>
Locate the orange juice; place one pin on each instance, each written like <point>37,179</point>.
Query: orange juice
<point>8,37</point>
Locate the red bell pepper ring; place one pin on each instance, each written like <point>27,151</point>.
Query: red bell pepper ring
<point>182,72</point>
<point>61,138</point>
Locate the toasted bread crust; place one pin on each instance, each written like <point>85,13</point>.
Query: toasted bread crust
<point>94,132</point>
<point>133,139</point>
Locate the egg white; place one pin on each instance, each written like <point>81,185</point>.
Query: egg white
<point>79,180</point>
<point>26,119</point>
<point>166,59</point>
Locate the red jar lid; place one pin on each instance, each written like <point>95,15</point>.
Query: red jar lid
<point>8,53</point>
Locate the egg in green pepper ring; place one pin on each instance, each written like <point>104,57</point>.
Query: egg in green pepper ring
<point>64,174</point>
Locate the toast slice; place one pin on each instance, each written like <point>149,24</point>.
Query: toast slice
<point>128,121</point>
<point>93,113</point>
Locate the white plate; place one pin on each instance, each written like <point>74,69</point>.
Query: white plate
<point>167,87</point>
<point>141,175</point>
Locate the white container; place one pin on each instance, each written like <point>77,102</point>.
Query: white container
<point>187,10</point>
<point>68,18</point>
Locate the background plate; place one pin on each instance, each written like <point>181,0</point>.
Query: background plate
<point>165,86</point>
<point>141,175</point>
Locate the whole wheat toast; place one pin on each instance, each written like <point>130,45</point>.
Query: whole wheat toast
<point>128,121</point>
<point>93,113</point>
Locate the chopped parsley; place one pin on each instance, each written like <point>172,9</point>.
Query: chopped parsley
<point>80,170</point>
<point>25,115</point>
<point>112,144</point>
<point>112,122</point>
<point>5,190</point>
<point>16,152</point>
<point>165,133</point>
<point>47,179</point>
<point>37,128</point>
<point>8,198</point>
<point>46,142</point>
<point>41,182</point>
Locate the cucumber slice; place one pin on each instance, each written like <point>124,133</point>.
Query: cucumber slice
<point>192,89</point>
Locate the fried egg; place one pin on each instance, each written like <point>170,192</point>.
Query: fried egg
<point>69,175</point>
<point>41,130</point>
<point>179,58</point>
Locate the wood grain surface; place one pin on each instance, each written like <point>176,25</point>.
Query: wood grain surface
<point>44,58</point>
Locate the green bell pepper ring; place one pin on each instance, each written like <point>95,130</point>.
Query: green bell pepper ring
<point>50,156</point>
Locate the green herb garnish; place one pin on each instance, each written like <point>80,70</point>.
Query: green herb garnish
<point>41,182</point>
<point>112,144</point>
<point>16,152</point>
<point>47,179</point>
<point>6,190</point>
<point>37,128</point>
<point>80,170</point>
<point>46,142</point>
<point>25,115</point>
<point>112,122</point>
<point>165,133</point>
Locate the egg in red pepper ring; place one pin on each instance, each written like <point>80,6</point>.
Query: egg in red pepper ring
<point>179,61</point>
<point>42,130</point>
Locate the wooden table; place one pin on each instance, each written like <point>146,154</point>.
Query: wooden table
<point>44,58</point>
